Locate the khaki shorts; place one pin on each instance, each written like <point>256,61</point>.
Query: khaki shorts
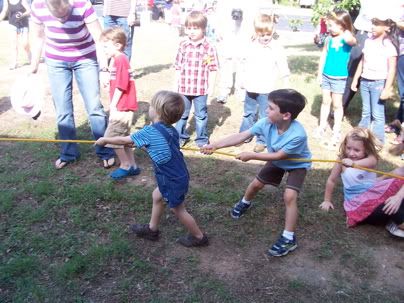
<point>119,124</point>
<point>271,174</point>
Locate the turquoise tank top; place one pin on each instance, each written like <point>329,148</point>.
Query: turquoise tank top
<point>336,61</point>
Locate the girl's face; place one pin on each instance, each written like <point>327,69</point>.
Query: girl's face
<point>334,28</point>
<point>355,149</point>
<point>194,33</point>
<point>379,29</point>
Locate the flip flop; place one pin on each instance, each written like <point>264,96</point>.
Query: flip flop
<point>108,163</point>
<point>59,164</point>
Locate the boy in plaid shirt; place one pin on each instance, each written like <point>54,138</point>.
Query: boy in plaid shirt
<point>196,65</point>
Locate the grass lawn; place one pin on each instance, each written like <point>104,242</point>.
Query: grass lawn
<point>64,234</point>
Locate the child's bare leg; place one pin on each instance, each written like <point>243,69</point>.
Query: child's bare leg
<point>157,209</point>
<point>126,157</point>
<point>25,45</point>
<point>338,113</point>
<point>291,213</point>
<point>14,49</point>
<point>325,109</point>
<point>187,220</point>
<point>253,188</point>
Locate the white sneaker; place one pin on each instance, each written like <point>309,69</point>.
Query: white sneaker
<point>394,230</point>
<point>318,133</point>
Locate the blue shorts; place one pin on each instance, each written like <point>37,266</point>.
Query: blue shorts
<point>173,190</point>
<point>19,30</point>
<point>334,85</point>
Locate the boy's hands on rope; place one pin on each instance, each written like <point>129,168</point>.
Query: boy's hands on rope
<point>208,149</point>
<point>101,141</point>
<point>246,156</point>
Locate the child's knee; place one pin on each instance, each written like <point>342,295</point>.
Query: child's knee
<point>257,184</point>
<point>290,196</point>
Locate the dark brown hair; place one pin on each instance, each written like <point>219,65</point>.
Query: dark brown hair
<point>342,18</point>
<point>288,101</point>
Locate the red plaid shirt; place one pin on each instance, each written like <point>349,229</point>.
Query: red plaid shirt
<point>194,62</point>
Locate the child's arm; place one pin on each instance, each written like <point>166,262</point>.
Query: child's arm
<point>322,60</point>
<point>247,156</point>
<point>388,87</point>
<point>349,38</point>
<point>358,73</point>
<point>115,99</point>
<point>27,9</point>
<point>368,162</point>
<point>393,203</point>
<point>329,187</point>
<point>211,82</point>
<point>231,140</point>
<point>114,140</point>
<point>37,37</point>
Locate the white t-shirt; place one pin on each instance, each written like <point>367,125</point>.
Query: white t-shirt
<point>376,53</point>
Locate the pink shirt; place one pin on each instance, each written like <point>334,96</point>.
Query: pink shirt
<point>375,58</point>
<point>194,62</point>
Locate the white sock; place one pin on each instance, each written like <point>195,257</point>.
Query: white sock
<point>288,234</point>
<point>245,201</point>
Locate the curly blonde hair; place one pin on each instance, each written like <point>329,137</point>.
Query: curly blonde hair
<point>370,142</point>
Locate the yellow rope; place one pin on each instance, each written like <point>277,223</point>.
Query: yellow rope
<point>197,150</point>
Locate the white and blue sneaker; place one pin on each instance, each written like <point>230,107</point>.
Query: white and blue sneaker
<point>282,247</point>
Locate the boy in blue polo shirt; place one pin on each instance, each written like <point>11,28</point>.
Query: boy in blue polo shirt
<point>285,138</point>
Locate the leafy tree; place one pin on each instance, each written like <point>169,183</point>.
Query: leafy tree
<point>322,7</point>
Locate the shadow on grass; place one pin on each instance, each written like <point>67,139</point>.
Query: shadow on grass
<point>5,104</point>
<point>152,70</point>
<point>306,66</point>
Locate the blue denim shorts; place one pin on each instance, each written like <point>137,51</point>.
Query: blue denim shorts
<point>19,30</point>
<point>173,190</point>
<point>334,85</point>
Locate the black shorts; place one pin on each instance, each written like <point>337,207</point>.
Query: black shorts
<point>271,174</point>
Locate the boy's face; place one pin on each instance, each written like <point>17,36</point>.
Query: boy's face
<point>264,38</point>
<point>194,33</point>
<point>111,48</point>
<point>274,114</point>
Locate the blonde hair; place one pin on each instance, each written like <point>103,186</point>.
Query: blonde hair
<point>264,24</point>
<point>116,35</point>
<point>168,105</point>
<point>197,19</point>
<point>370,142</point>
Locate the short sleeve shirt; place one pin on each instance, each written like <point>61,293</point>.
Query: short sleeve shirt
<point>376,54</point>
<point>122,78</point>
<point>194,62</point>
<point>154,143</point>
<point>293,142</point>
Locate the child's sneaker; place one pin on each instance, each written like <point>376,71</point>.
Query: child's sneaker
<point>191,241</point>
<point>394,230</point>
<point>144,231</point>
<point>282,247</point>
<point>239,209</point>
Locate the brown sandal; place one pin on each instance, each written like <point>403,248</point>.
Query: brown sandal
<point>108,163</point>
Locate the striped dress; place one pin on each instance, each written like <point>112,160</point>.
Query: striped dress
<point>68,41</point>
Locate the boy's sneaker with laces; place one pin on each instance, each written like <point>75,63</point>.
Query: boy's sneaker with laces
<point>144,231</point>
<point>191,241</point>
<point>239,209</point>
<point>394,230</point>
<point>282,247</point>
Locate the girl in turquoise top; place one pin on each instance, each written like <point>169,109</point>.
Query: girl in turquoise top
<point>333,71</point>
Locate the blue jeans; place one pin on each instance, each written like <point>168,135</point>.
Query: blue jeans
<point>122,22</point>
<point>400,83</point>
<point>61,83</point>
<point>372,107</point>
<point>254,102</point>
<point>201,119</point>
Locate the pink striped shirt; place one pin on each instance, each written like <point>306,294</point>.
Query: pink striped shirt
<point>69,41</point>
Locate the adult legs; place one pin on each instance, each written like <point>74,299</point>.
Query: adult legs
<point>86,73</point>
<point>354,59</point>
<point>61,85</point>
<point>201,119</point>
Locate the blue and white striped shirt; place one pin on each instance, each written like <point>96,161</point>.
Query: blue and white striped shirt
<point>154,143</point>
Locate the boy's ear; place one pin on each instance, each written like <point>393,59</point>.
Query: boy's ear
<point>287,116</point>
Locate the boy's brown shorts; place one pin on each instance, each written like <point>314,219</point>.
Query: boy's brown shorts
<point>118,125</point>
<point>271,174</point>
